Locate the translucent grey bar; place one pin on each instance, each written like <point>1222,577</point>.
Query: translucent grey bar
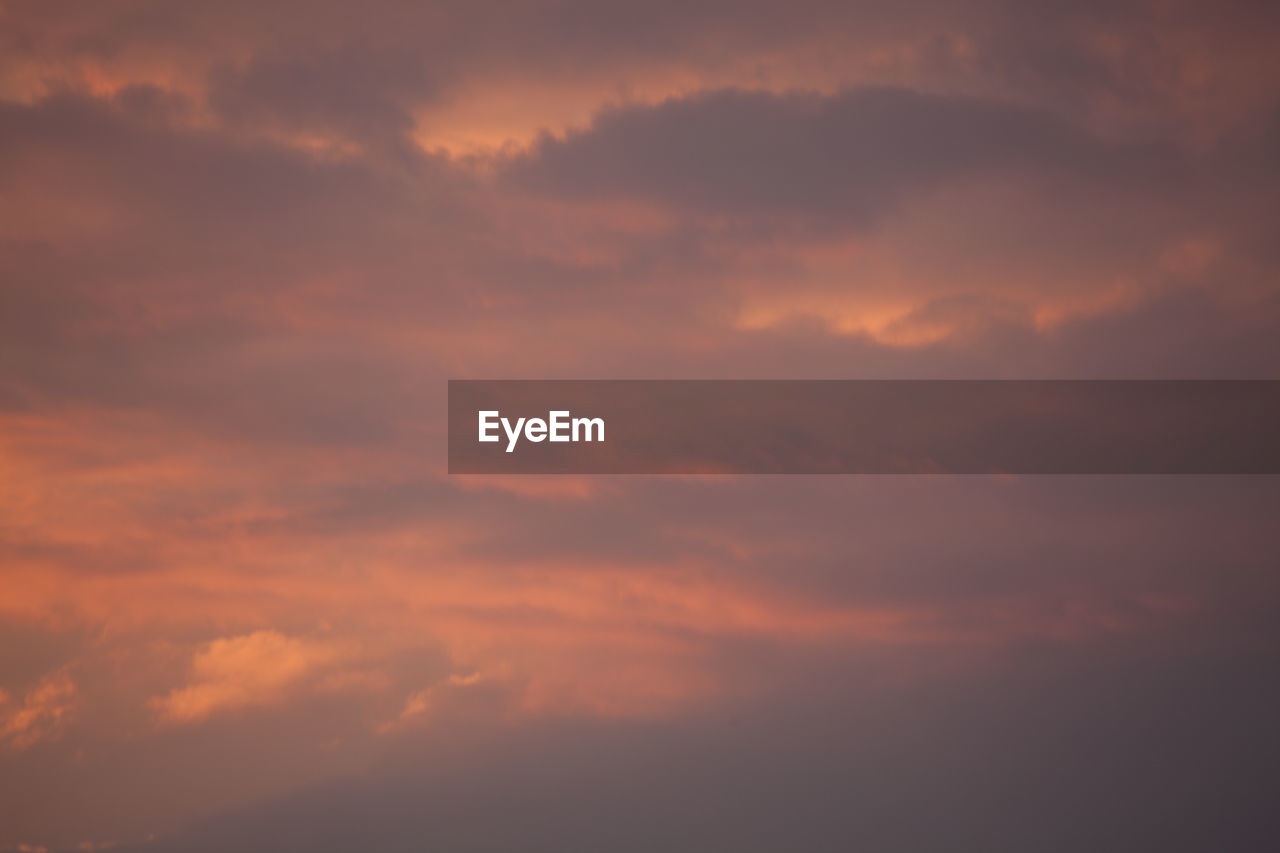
<point>865,427</point>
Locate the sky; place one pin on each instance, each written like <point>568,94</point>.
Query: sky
<point>244,245</point>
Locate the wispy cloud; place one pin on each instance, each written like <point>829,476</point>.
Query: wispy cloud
<point>40,714</point>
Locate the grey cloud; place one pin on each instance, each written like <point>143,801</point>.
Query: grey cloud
<point>854,156</point>
<point>1112,748</point>
<point>210,231</point>
<point>1052,51</point>
<point>365,95</point>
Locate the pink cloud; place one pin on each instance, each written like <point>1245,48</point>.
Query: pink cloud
<point>246,671</point>
<point>40,715</point>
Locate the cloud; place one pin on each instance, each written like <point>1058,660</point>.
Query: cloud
<point>350,96</point>
<point>852,156</point>
<point>1049,749</point>
<point>244,244</point>
<point>246,671</point>
<point>40,715</point>
<point>420,703</point>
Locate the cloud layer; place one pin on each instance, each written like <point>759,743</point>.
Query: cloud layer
<point>243,245</point>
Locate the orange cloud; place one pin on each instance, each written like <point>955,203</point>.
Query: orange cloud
<point>420,703</point>
<point>41,714</point>
<point>251,670</point>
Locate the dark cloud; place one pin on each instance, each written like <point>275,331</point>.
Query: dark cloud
<point>854,156</point>
<point>1048,751</point>
<point>364,97</point>
<point>1131,51</point>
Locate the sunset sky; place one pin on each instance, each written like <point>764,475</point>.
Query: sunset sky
<point>244,245</point>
